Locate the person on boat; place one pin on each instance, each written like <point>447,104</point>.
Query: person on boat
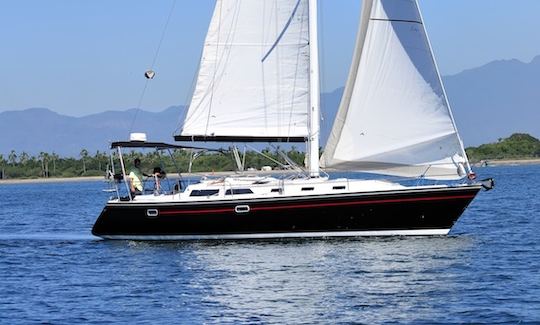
<point>136,178</point>
<point>158,174</point>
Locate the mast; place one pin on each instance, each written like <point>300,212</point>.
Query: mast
<point>314,93</point>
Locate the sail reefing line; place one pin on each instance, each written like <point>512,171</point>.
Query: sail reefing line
<point>397,20</point>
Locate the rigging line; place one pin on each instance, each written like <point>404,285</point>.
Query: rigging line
<point>184,117</point>
<point>266,156</point>
<point>287,159</point>
<point>163,33</point>
<point>434,61</point>
<point>138,108</point>
<point>187,101</point>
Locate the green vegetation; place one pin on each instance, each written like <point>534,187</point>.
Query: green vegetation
<point>23,165</point>
<point>517,146</point>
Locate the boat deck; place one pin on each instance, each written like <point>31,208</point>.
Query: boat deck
<point>255,187</point>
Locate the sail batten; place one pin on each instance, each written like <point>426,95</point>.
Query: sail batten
<point>253,79</point>
<point>394,117</point>
<point>397,20</point>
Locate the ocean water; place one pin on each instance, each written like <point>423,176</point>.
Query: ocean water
<point>52,270</point>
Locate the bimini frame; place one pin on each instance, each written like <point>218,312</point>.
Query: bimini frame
<point>158,146</point>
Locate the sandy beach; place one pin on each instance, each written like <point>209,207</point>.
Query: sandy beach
<point>507,162</point>
<point>101,178</point>
<point>51,180</point>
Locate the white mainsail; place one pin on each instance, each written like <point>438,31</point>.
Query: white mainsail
<point>394,117</point>
<point>253,78</point>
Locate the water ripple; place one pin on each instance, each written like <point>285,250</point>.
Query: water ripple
<point>54,271</point>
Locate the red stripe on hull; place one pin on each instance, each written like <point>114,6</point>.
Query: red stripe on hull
<point>316,205</point>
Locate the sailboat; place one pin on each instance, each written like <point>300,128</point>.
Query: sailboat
<point>258,81</point>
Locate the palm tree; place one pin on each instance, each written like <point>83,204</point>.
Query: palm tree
<point>2,163</point>
<point>47,164</point>
<point>23,158</point>
<point>54,157</point>
<point>84,154</point>
<point>44,158</point>
<point>12,157</point>
<point>100,157</point>
<point>41,158</point>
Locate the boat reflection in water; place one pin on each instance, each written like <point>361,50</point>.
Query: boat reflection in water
<point>290,281</point>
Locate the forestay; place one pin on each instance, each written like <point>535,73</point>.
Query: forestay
<point>394,117</point>
<point>253,78</point>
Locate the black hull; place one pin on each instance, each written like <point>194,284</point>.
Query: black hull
<point>415,212</point>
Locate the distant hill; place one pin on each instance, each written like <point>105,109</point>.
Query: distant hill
<point>496,100</point>
<point>518,145</point>
<point>39,129</point>
<point>488,102</point>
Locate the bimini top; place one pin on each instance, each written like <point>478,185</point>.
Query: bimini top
<point>155,145</point>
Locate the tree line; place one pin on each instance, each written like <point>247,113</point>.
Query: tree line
<point>45,164</point>
<point>517,146</point>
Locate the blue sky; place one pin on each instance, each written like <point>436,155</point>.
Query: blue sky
<point>83,57</point>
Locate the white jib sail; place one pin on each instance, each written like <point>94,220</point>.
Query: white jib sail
<point>394,117</point>
<point>254,73</point>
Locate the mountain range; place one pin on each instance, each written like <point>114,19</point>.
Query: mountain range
<point>496,100</point>
<point>488,102</point>
<point>40,129</point>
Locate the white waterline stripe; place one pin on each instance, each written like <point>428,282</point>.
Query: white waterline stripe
<point>417,232</point>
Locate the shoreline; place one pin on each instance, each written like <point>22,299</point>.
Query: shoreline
<point>50,180</point>
<point>483,163</point>
<point>507,162</point>
<point>11,181</point>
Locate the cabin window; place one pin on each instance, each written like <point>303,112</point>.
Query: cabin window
<point>236,191</point>
<point>204,192</point>
<point>307,188</point>
<point>274,190</point>
<point>338,187</point>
